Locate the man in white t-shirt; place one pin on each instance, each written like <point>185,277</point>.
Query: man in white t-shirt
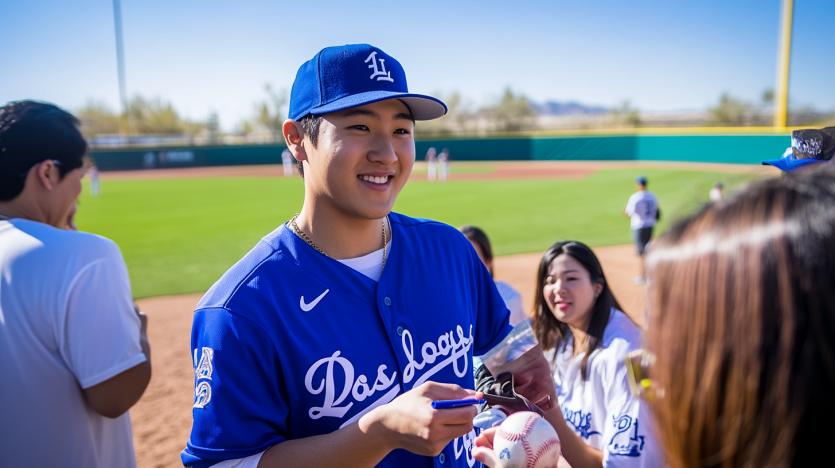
<point>642,208</point>
<point>74,356</point>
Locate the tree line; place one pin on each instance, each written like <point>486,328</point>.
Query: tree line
<point>511,111</point>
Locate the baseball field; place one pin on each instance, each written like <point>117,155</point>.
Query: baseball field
<point>180,229</point>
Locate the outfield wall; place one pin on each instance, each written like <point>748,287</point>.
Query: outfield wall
<point>737,149</point>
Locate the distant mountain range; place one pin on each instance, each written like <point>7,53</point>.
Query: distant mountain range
<point>568,108</point>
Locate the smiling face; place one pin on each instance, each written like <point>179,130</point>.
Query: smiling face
<point>363,157</point>
<point>569,291</point>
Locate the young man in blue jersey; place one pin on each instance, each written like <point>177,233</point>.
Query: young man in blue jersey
<point>326,344</point>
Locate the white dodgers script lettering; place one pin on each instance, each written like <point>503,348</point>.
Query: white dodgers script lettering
<point>359,389</point>
<point>447,346</point>
<point>451,348</point>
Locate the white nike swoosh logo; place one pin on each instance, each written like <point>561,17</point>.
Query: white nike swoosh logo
<point>309,307</point>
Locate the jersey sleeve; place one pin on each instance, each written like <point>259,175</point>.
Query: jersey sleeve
<point>240,402</point>
<point>492,315</point>
<point>630,205</point>
<point>628,434</point>
<point>100,335</point>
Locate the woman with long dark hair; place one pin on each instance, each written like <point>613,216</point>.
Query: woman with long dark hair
<point>586,337</point>
<point>742,326</point>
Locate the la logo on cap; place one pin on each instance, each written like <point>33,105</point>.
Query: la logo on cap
<point>337,78</point>
<point>380,73</point>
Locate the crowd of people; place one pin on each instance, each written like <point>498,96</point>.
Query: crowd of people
<point>327,344</point>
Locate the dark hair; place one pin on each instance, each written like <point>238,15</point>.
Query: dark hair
<point>480,238</point>
<point>310,123</point>
<point>32,132</point>
<point>551,332</point>
<point>741,322</point>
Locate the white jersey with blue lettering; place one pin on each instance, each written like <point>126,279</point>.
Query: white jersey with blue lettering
<point>602,409</point>
<point>291,344</point>
<point>642,208</point>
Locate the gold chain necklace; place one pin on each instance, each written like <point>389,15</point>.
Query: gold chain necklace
<point>304,237</point>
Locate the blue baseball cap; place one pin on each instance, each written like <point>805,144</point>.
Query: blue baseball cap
<point>339,78</point>
<point>809,146</point>
<point>641,180</point>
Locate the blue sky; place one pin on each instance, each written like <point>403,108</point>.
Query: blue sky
<point>216,55</point>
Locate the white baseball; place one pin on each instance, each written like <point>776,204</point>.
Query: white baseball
<point>525,440</point>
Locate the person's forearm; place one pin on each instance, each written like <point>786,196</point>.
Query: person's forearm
<point>575,451</point>
<point>119,393</point>
<point>355,446</point>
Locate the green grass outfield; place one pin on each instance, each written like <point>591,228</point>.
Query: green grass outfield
<point>180,235</point>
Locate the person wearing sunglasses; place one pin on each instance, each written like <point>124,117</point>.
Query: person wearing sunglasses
<point>741,336</point>
<point>586,337</point>
<point>74,355</point>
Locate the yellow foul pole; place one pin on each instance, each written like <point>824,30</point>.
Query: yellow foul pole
<point>781,98</point>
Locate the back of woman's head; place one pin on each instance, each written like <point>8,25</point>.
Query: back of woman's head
<point>479,237</point>
<point>549,331</point>
<point>742,322</point>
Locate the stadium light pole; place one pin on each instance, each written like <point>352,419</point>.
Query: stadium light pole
<point>120,61</point>
<point>781,100</point>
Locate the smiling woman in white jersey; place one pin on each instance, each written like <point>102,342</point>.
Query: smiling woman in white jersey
<point>586,337</point>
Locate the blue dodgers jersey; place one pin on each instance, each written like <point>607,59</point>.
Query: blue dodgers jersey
<point>290,343</point>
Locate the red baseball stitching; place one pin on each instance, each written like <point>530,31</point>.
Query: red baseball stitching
<point>528,453</point>
<point>527,427</point>
<point>543,449</point>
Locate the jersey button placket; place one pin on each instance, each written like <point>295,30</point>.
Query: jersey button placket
<point>441,458</point>
<point>387,301</point>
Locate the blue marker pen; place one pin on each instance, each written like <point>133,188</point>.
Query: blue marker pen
<point>445,404</point>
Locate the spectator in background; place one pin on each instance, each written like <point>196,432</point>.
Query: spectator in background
<point>443,165</point>
<point>716,192</point>
<point>95,184</point>
<point>288,162</point>
<point>809,146</point>
<point>741,328</point>
<point>432,163</point>
<point>642,208</point>
<point>511,297</point>
<point>74,356</point>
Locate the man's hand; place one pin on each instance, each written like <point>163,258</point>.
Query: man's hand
<point>483,450</point>
<point>409,421</point>
<point>535,382</point>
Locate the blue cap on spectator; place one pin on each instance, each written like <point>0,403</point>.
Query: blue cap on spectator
<point>339,78</point>
<point>808,146</point>
<point>641,180</point>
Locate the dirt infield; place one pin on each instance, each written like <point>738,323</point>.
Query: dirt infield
<point>460,170</point>
<point>162,418</point>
